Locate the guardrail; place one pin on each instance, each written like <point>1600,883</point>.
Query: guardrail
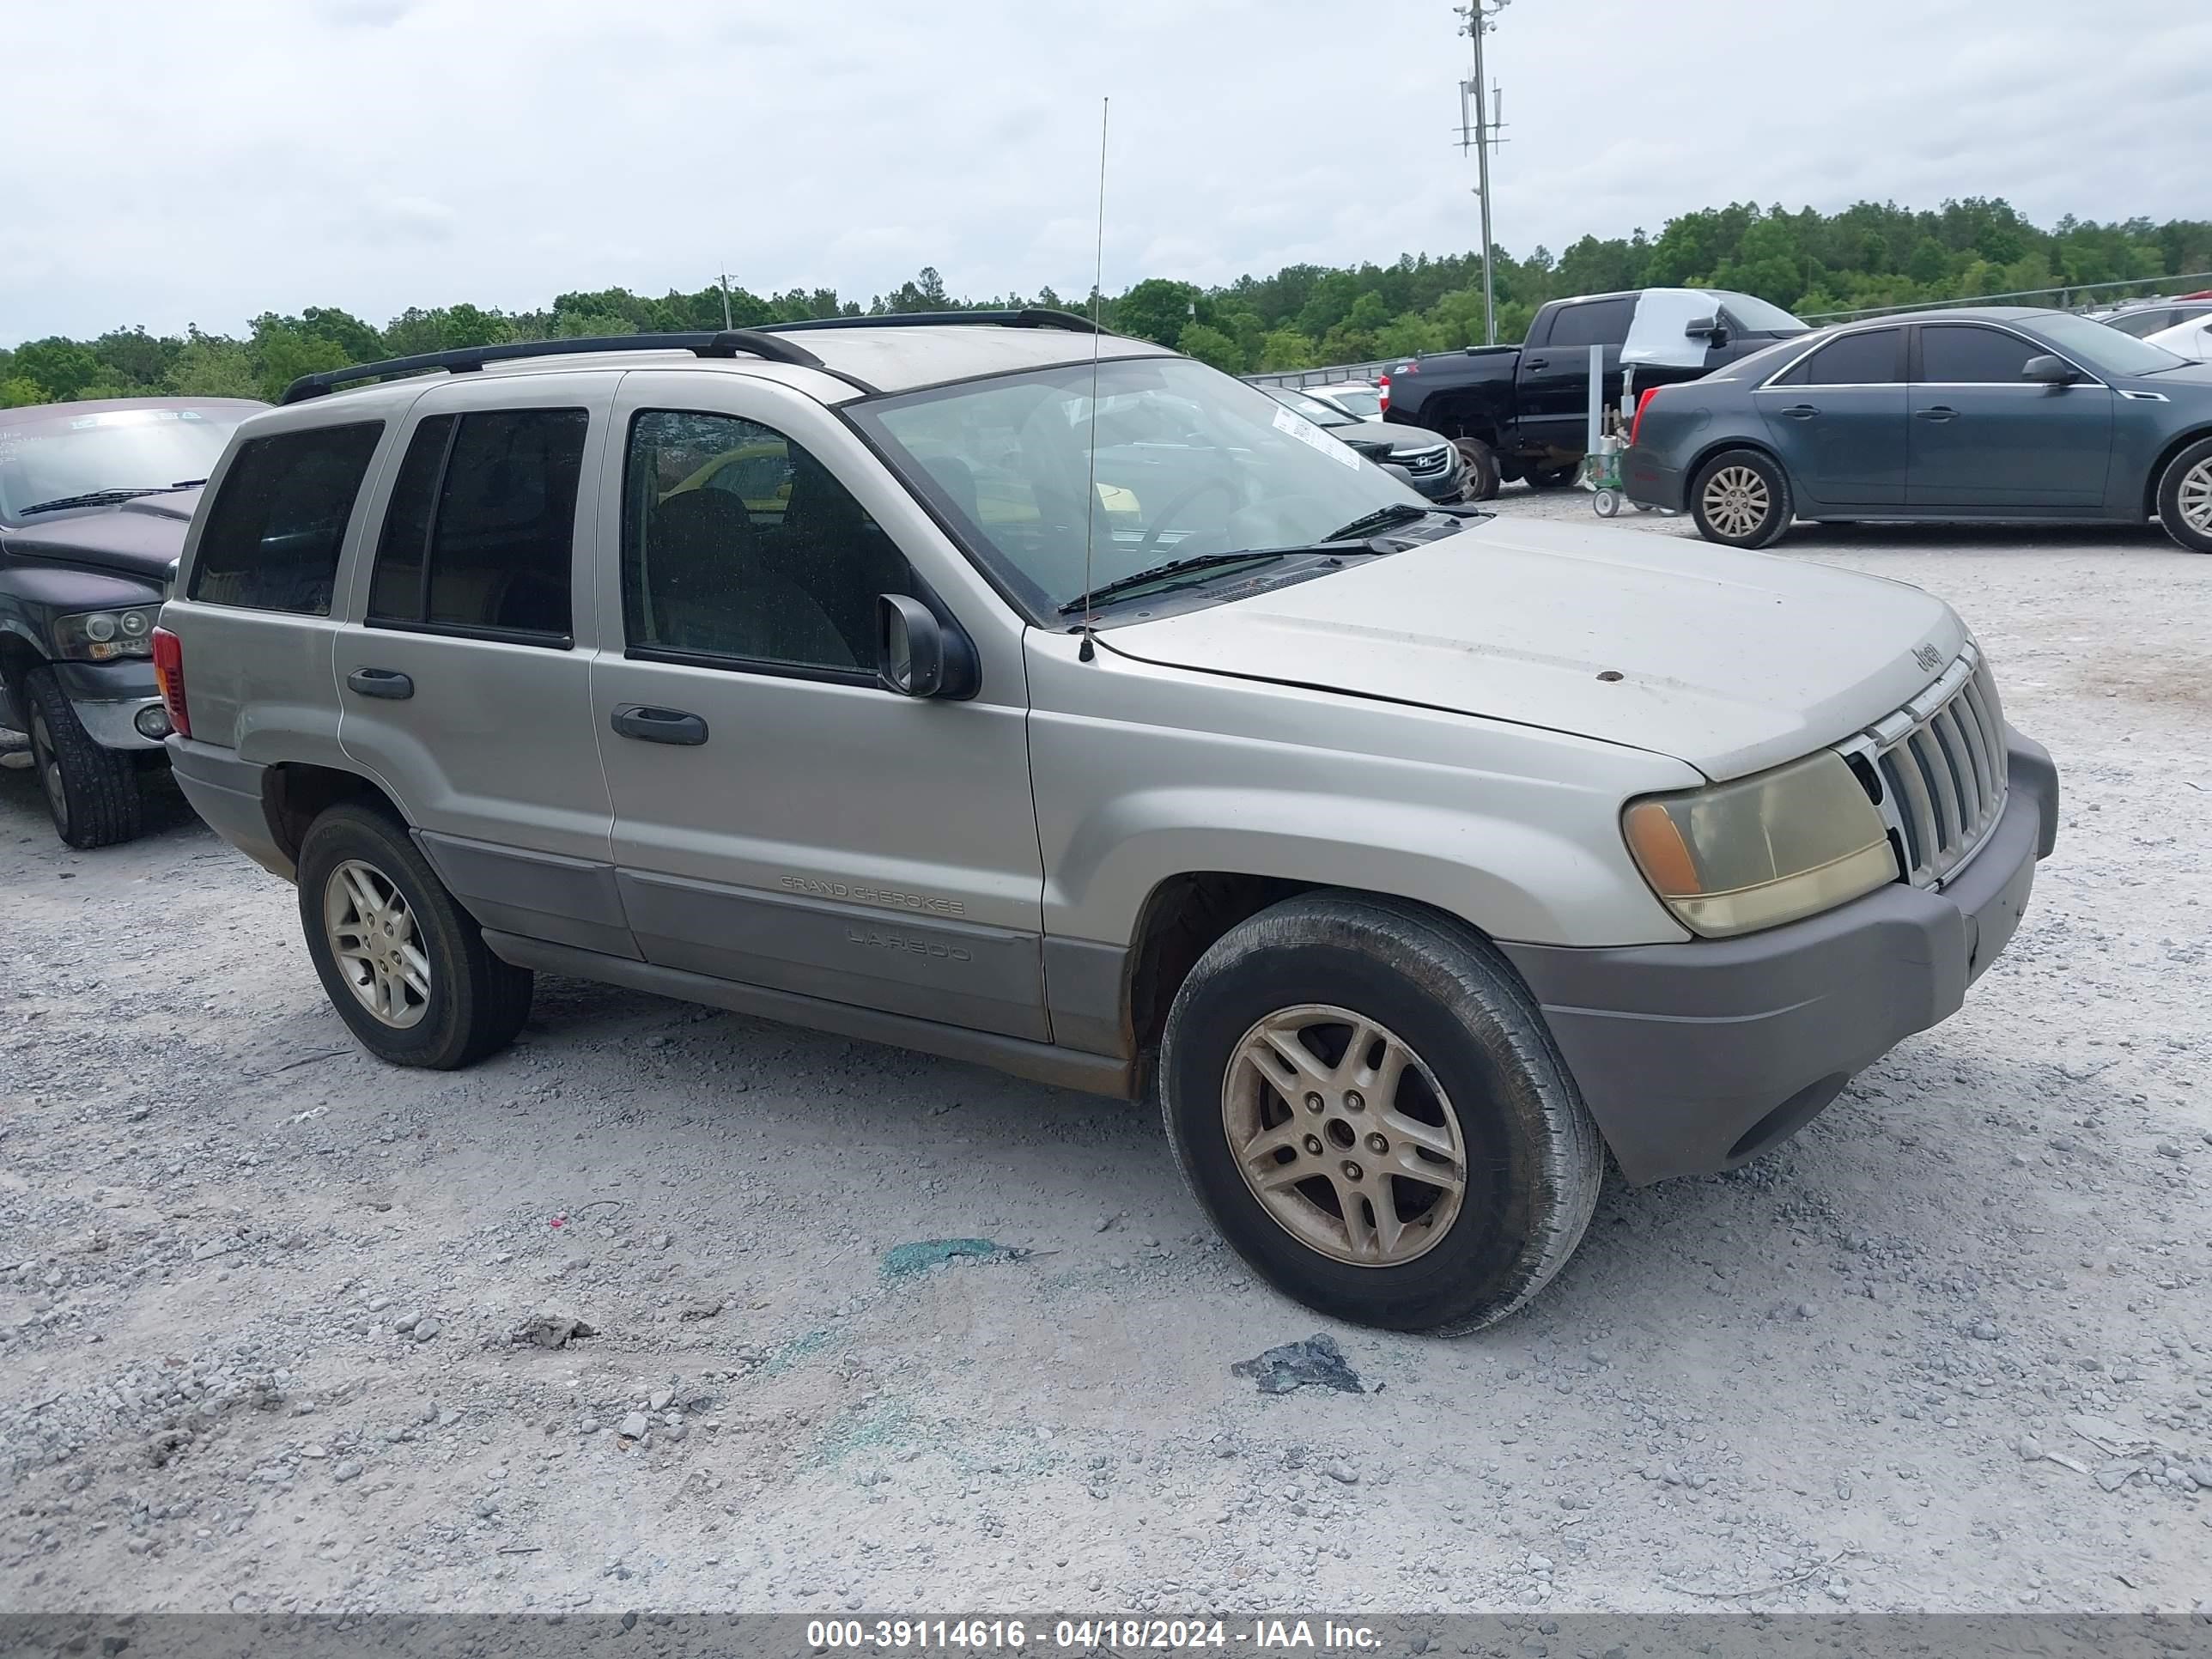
<point>2071,296</point>
<point>1323,376</point>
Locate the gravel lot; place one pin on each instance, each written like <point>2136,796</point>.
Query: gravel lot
<point>1948,1349</point>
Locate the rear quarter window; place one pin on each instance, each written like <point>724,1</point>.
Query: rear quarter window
<point>275,526</point>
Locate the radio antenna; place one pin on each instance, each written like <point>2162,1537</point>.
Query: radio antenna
<point>1089,649</point>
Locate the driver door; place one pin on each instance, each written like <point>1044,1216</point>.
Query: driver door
<point>780,819</point>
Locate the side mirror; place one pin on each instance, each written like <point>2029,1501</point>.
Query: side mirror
<point>916,655</point>
<point>2049,370</point>
<point>1700,328</point>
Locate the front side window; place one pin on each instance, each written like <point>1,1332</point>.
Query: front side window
<point>1952,354</point>
<point>1170,460</point>
<point>740,548</point>
<point>276,526</point>
<point>1754,315</point>
<point>480,533</point>
<point>1594,322</point>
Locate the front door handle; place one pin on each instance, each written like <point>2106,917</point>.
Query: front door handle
<point>381,683</point>
<point>650,725</point>
<point>1802,411</point>
<point>1536,363</point>
<point>1938,412</point>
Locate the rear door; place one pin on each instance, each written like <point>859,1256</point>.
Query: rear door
<point>1982,437</point>
<point>463,668</point>
<point>1838,417</point>
<point>1553,386</point>
<point>781,820</point>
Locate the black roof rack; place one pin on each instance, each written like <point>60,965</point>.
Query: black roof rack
<point>763,342</point>
<point>466,359</point>
<point>1027,317</point>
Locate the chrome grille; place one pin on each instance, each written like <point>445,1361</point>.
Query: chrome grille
<point>1940,765</point>
<point>1426,462</point>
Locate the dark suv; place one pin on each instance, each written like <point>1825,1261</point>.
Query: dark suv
<point>95,499</point>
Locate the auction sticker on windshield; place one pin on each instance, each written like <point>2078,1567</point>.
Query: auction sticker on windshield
<point>1312,436</point>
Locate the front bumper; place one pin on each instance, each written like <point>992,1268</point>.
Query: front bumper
<point>108,697</point>
<point>1696,1057</point>
<point>1644,478</point>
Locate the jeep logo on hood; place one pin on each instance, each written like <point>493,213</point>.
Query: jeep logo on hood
<point>1928,657</point>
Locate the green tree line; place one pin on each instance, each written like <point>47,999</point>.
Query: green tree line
<point>1873,254</point>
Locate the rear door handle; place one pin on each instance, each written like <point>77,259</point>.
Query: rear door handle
<point>1537,362</point>
<point>1938,412</point>
<point>650,725</point>
<point>381,683</point>
<point>1802,411</point>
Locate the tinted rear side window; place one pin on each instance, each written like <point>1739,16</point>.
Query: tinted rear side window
<point>1597,322</point>
<point>275,529</point>
<point>1872,359</point>
<point>1955,355</point>
<point>492,502</point>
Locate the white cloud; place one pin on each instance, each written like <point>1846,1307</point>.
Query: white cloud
<point>241,156</point>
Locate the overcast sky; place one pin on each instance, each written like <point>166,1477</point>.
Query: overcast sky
<point>204,162</point>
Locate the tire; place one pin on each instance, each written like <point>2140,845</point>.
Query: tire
<point>2184,497</point>
<point>449,1004</point>
<point>1481,461</point>
<point>92,793</point>
<point>1750,503</point>
<point>1482,1078</point>
<point>1608,503</point>
<point>1551,478</point>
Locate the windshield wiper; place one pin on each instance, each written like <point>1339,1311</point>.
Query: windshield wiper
<point>1380,519</point>
<point>97,498</point>
<point>1122,585</point>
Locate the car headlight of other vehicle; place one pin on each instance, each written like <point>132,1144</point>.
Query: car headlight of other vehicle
<point>105,635</point>
<point>1762,850</point>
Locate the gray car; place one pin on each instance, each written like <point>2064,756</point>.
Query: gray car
<point>1000,690</point>
<point>1996,414</point>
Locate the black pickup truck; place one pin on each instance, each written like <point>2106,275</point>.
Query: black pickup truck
<point>1522,411</point>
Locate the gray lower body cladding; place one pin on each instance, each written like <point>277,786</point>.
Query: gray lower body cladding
<point>228,793</point>
<point>1695,1057</point>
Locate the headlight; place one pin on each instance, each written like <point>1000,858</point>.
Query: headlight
<point>103,635</point>
<point>1762,850</point>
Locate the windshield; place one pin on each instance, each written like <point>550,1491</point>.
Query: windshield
<point>1362,401</point>
<point>1320,413</point>
<point>1757,315</point>
<point>1190,462</point>
<point>2105,350</point>
<point>55,458</point>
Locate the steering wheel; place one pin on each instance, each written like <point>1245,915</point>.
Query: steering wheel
<point>1190,493</point>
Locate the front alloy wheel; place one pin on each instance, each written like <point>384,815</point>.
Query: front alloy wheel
<point>2184,497</point>
<point>1344,1135</point>
<point>372,935</point>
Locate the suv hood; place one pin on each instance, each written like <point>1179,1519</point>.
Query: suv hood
<point>141,538</point>
<point>1733,662</point>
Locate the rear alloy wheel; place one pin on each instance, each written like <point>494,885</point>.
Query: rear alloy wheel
<point>91,793</point>
<point>1479,476</point>
<point>406,966</point>
<point>2184,497</point>
<point>1741,499</point>
<point>1364,1098</point>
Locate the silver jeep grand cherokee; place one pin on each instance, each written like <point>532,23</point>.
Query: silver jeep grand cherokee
<point>1011,692</point>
